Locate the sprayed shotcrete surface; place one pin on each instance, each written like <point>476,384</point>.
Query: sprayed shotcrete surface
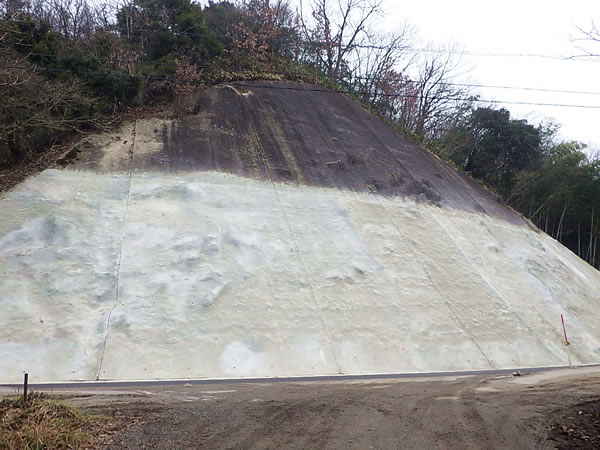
<point>117,268</point>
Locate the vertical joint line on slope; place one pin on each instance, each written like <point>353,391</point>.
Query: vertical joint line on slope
<point>297,249</point>
<point>118,271</point>
<point>442,296</point>
<point>478,271</point>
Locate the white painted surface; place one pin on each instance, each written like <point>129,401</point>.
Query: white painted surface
<point>222,276</point>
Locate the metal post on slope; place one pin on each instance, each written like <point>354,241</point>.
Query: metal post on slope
<point>562,319</point>
<point>25,383</point>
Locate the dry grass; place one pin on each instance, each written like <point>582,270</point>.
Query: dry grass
<point>44,423</point>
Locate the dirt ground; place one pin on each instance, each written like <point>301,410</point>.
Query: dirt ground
<point>555,409</point>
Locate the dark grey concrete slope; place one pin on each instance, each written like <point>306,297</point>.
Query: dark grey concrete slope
<point>305,134</point>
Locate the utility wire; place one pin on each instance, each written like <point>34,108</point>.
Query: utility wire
<point>205,66</point>
<point>120,75</point>
<point>304,89</point>
<point>413,96</point>
<point>374,47</point>
<point>506,55</point>
<point>493,86</point>
<point>117,60</point>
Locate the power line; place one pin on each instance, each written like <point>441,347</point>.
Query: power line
<point>506,55</point>
<point>412,96</point>
<point>383,47</point>
<point>494,86</point>
<point>118,60</point>
<point>371,46</point>
<point>205,66</point>
<point>407,47</point>
<point>559,105</point>
<point>119,75</point>
<point>491,86</point>
<point>123,75</point>
<point>473,53</point>
<point>338,91</point>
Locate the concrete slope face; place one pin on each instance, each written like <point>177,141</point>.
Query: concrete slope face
<point>278,231</point>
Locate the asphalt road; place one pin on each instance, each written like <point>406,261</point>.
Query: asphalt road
<point>156,383</point>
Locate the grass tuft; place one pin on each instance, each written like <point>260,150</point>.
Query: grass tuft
<point>43,423</point>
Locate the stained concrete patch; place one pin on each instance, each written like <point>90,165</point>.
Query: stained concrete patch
<point>294,133</point>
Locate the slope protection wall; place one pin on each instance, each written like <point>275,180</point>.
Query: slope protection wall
<point>225,245</point>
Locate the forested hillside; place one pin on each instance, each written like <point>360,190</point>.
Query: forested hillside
<point>68,66</point>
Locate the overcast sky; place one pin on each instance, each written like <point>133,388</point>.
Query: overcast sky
<point>517,26</point>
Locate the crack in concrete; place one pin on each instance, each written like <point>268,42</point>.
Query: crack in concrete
<point>118,271</point>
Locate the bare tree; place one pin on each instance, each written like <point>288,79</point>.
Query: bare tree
<point>35,111</point>
<point>372,67</point>
<point>74,19</point>
<point>104,14</point>
<point>587,41</point>
<point>8,8</point>
<point>430,100</point>
<point>336,28</point>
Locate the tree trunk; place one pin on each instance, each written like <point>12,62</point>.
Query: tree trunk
<point>560,222</point>
<point>594,252</point>
<point>591,237</point>
<point>530,207</point>
<point>579,238</point>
